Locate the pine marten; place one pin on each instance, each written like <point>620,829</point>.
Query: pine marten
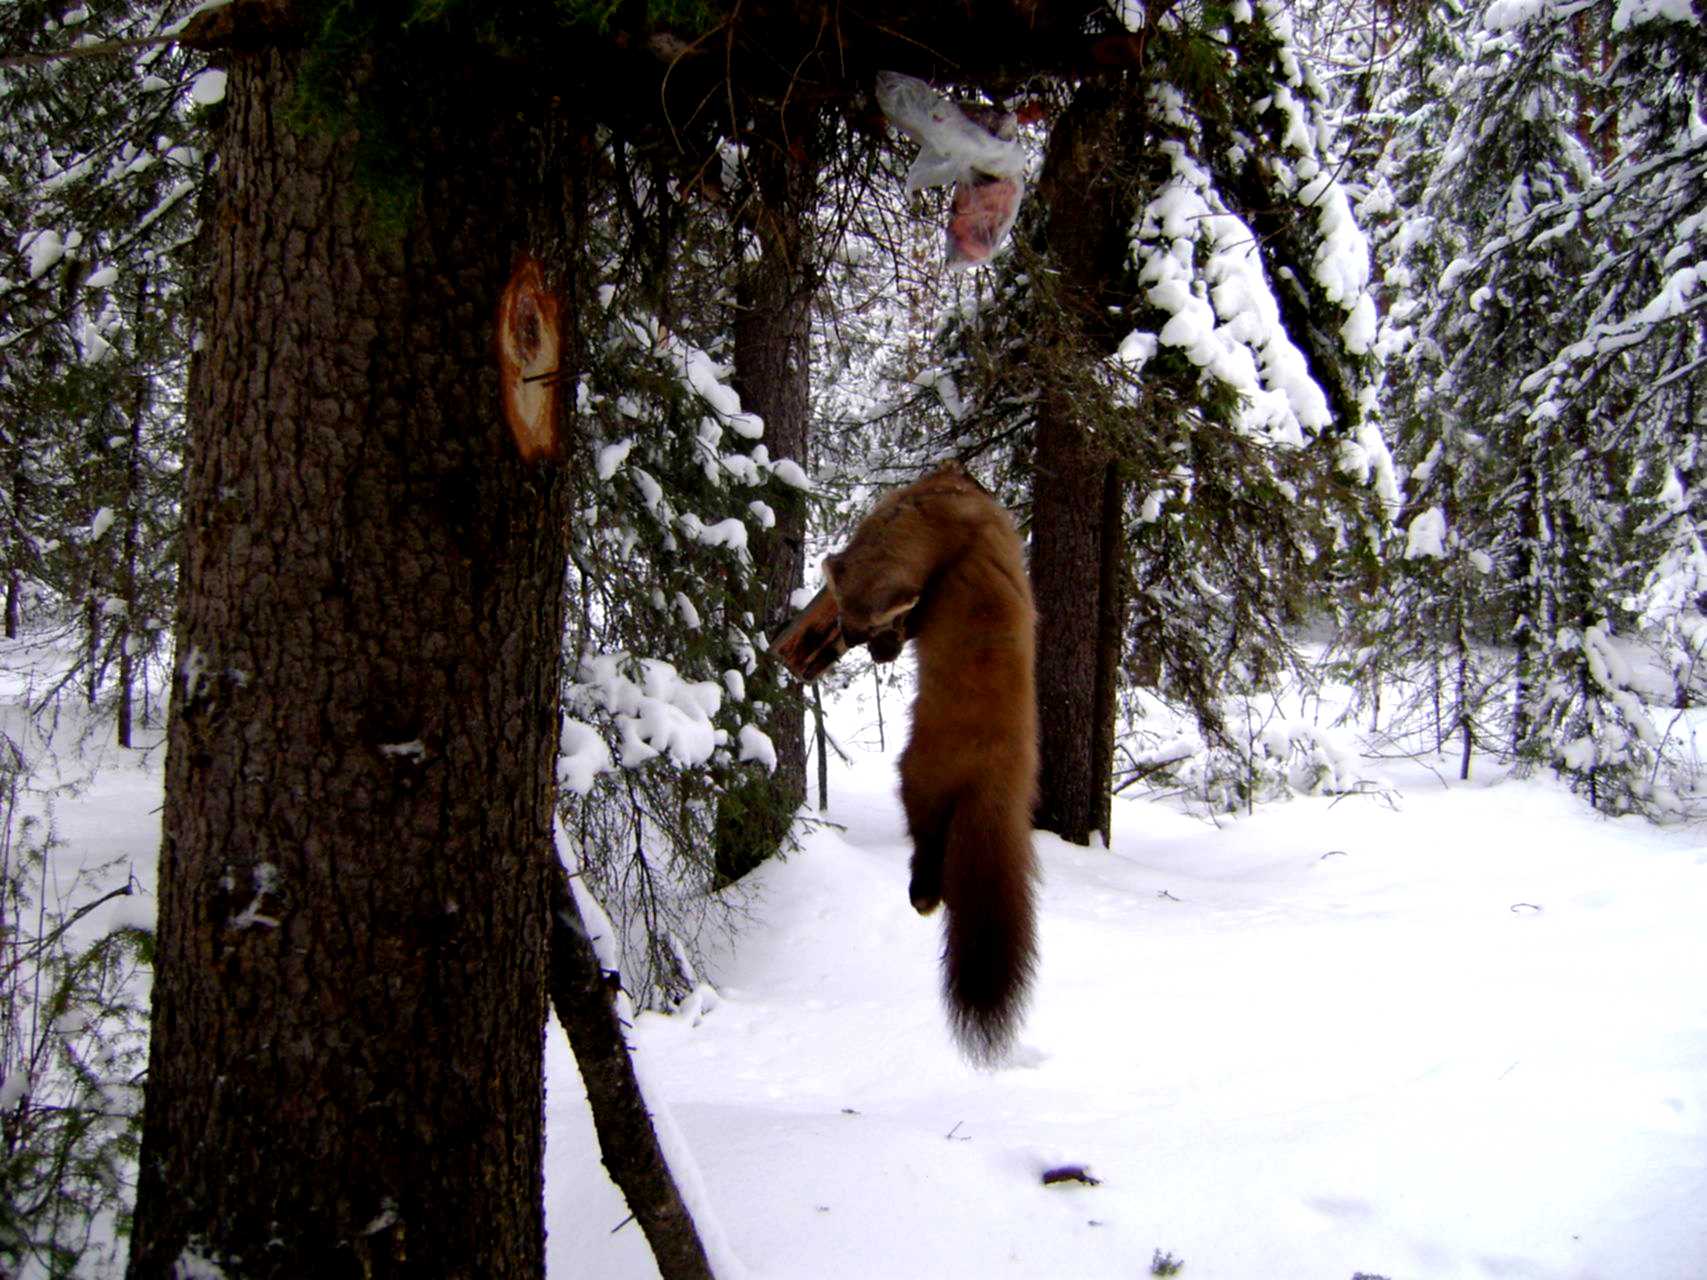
<point>942,559</point>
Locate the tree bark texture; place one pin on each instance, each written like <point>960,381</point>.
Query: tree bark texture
<point>1075,689</point>
<point>1111,631</point>
<point>1077,494</point>
<point>345,1071</point>
<point>773,336</point>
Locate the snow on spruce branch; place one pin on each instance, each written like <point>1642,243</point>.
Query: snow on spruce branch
<point>644,689</point>
<point>654,711</point>
<point>1221,314</point>
<point>1203,266</point>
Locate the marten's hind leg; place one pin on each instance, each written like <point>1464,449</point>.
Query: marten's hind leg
<point>927,823</point>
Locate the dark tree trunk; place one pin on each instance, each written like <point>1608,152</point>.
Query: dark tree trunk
<point>17,502</point>
<point>1466,693</point>
<point>1526,628</point>
<point>773,335</point>
<point>823,748</point>
<point>130,553</point>
<point>1111,629</point>
<point>92,640</point>
<point>1077,517</point>
<point>345,1070</point>
<point>1067,576</point>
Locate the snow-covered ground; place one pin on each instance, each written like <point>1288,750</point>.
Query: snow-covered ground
<point>1449,1031</point>
<point>1460,1031</point>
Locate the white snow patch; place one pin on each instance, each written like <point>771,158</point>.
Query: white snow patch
<point>661,714</point>
<point>14,1088</point>
<point>1427,536</point>
<point>43,250</point>
<point>612,456</point>
<point>582,757</point>
<point>1630,13</point>
<point>756,745</point>
<point>688,611</point>
<point>208,88</point>
<point>728,532</point>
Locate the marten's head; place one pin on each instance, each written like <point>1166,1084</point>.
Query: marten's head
<point>878,577</point>
<point>872,588</point>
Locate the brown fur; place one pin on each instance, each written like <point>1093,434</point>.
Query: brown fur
<point>943,556</point>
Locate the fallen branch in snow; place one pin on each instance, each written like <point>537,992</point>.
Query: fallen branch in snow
<point>1071,1173</point>
<point>1365,787</point>
<point>627,1140</point>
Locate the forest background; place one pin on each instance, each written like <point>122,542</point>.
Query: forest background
<point>1348,341</point>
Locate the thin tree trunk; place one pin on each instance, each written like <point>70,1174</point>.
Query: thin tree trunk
<point>17,502</point>
<point>823,748</point>
<point>1111,627</point>
<point>344,1075</point>
<point>773,333</point>
<point>1465,697</point>
<point>877,682</point>
<point>1526,638</point>
<point>131,551</point>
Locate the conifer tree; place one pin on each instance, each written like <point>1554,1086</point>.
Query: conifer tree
<point>1208,340</point>
<point>100,184</point>
<point>1545,373</point>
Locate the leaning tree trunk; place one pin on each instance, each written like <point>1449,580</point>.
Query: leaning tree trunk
<point>773,334</point>
<point>345,1071</point>
<point>1077,514</point>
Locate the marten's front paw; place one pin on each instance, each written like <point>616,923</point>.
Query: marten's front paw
<point>925,900</point>
<point>885,646</point>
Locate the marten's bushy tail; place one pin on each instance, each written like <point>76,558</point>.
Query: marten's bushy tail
<point>990,944</point>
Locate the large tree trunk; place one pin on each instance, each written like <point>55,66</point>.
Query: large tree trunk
<point>1077,515</point>
<point>345,1073</point>
<point>773,336</point>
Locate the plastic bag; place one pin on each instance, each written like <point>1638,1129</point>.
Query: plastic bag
<point>972,147</point>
